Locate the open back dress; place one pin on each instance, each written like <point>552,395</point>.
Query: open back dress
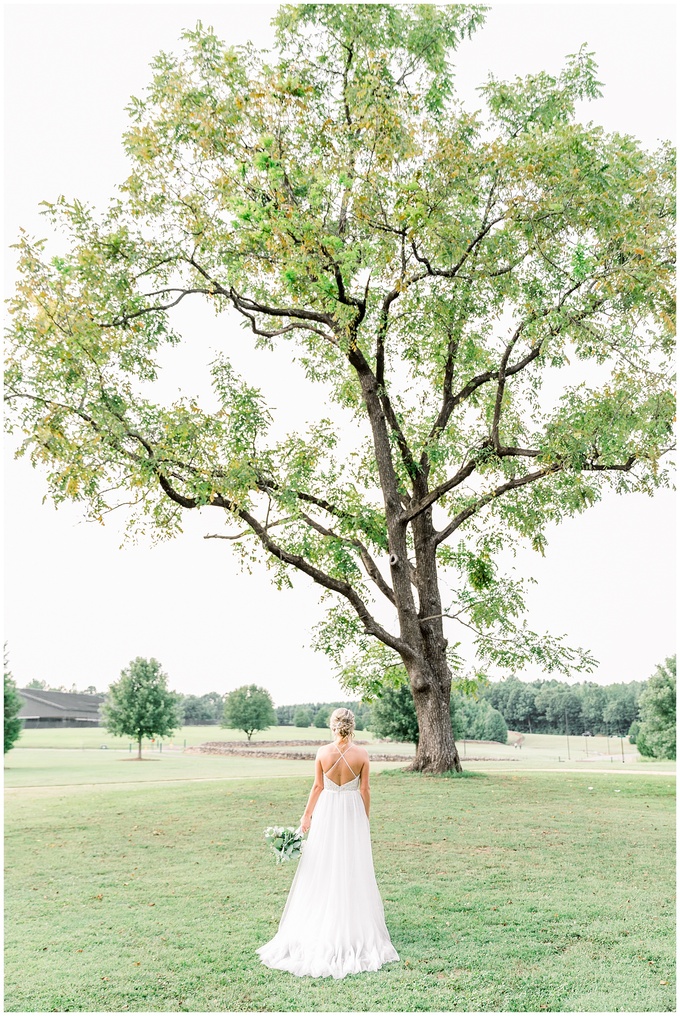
<point>333,923</point>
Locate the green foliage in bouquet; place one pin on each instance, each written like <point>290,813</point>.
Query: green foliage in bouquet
<point>285,841</point>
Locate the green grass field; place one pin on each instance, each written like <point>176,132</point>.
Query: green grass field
<point>147,886</point>
<point>77,737</point>
<point>538,751</point>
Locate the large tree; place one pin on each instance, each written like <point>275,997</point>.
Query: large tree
<point>427,265</point>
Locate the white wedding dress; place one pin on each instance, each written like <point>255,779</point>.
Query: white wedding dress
<point>333,923</point>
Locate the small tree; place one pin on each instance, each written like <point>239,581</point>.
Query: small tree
<point>302,718</point>
<point>140,705</point>
<point>495,727</point>
<point>13,704</point>
<point>656,736</point>
<point>249,708</point>
<point>394,715</point>
<point>322,717</point>
<point>469,717</point>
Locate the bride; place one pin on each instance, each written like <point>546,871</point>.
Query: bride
<point>333,923</point>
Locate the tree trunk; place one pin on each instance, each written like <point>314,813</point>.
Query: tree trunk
<point>420,627</point>
<point>430,676</point>
<point>139,749</point>
<point>436,751</point>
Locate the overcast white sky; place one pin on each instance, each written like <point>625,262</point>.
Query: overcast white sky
<point>79,608</point>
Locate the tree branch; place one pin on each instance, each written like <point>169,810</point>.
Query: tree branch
<point>279,331</point>
<point>442,489</point>
<point>124,318</point>
<point>369,564</point>
<point>503,372</point>
<point>297,313</point>
<point>370,624</point>
<point>448,404</point>
<point>625,466</point>
<point>519,481</point>
<point>449,273</point>
<point>246,532</point>
<point>491,375</point>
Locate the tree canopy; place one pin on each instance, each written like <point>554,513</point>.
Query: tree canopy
<point>12,702</point>
<point>656,736</point>
<point>140,704</point>
<point>249,708</point>
<point>429,266</point>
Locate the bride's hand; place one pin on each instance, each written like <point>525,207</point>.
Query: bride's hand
<point>305,824</point>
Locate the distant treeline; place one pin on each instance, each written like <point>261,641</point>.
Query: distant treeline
<point>553,707</point>
<point>316,714</point>
<point>539,707</point>
<point>201,709</point>
<point>204,709</point>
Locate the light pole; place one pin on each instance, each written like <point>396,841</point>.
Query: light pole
<point>623,757</point>
<point>585,738</point>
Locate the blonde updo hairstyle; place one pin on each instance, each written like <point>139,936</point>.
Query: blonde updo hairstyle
<point>341,723</point>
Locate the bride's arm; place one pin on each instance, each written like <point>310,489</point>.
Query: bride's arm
<point>364,788</point>
<point>317,787</point>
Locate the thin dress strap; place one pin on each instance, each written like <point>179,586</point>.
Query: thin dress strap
<point>342,755</point>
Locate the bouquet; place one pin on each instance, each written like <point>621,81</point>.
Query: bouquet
<point>285,842</point>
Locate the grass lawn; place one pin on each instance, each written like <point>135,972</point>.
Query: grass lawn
<point>537,749</point>
<point>502,892</point>
<point>84,737</point>
<point>71,767</point>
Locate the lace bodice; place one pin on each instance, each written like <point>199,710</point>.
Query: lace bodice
<point>328,784</point>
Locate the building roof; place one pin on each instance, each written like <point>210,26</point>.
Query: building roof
<point>63,704</point>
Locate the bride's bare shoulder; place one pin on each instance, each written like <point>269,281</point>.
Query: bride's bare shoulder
<point>332,747</point>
